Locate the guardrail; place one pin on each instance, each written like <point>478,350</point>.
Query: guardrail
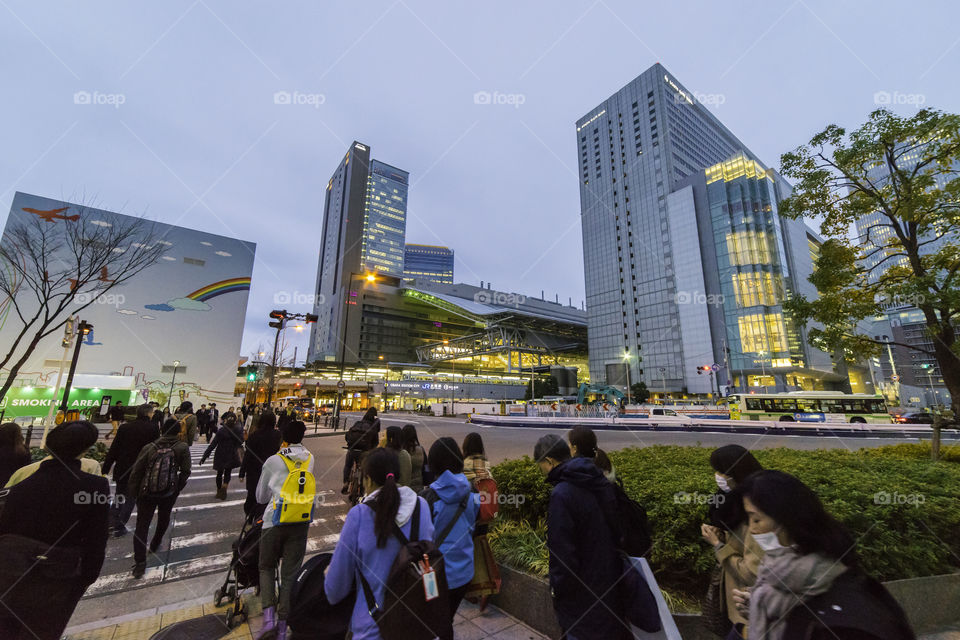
<point>758,427</point>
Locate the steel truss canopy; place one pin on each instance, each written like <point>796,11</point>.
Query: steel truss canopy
<point>496,339</point>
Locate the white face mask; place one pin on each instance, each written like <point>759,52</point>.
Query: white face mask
<point>722,483</point>
<point>768,541</point>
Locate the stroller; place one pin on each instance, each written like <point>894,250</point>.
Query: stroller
<point>243,571</point>
<point>312,617</point>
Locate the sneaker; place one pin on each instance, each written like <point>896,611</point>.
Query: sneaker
<point>139,569</point>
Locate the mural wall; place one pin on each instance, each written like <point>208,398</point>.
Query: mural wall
<point>188,307</point>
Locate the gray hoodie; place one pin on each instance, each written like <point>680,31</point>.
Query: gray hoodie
<point>275,473</point>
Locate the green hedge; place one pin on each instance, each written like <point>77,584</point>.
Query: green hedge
<point>98,452</point>
<point>903,510</point>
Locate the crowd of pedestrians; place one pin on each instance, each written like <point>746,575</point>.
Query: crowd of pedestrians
<point>785,568</point>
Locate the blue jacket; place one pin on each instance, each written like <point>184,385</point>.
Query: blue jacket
<point>457,548</point>
<point>357,549</point>
<point>585,564</point>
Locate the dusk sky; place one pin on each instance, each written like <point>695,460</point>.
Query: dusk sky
<point>180,122</point>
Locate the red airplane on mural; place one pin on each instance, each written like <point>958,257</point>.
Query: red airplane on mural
<point>51,215</point>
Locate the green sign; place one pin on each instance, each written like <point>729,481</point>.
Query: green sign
<point>35,401</point>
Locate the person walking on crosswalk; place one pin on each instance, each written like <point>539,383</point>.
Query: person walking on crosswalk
<point>157,478</point>
<point>288,488</point>
<point>226,447</point>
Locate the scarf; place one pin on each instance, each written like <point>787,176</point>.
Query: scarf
<point>785,579</point>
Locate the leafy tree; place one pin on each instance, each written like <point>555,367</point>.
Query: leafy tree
<point>639,392</point>
<point>51,269</point>
<point>903,170</point>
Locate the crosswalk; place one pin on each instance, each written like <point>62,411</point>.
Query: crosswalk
<point>202,530</point>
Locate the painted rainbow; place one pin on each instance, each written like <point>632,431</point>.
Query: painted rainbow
<point>219,288</point>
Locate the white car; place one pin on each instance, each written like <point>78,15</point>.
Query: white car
<point>660,412</point>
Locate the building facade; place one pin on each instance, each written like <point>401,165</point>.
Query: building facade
<point>186,308</point>
<point>428,263</point>
<point>364,230</point>
<point>686,261</point>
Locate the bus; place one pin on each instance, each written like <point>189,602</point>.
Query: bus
<point>809,406</point>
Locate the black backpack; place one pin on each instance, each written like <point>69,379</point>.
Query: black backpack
<point>163,473</point>
<point>406,614</point>
<point>635,538</point>
<point>361,436</point>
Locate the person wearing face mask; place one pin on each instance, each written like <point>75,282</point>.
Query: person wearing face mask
<point>809,584</point>
<point>738,555</point>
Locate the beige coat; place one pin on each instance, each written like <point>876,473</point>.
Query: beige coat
<point>740,558</point>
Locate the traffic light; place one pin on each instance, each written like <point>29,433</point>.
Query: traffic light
<point>85,327</point>
<point>278,314</point>
<point>252,376</point>
<point>67,333</point>
<point>310,317</point>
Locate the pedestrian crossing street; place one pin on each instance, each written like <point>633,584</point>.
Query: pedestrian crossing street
<point>202,530</point>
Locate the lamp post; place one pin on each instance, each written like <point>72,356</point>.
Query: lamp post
<point>933,394</point>
<point>176,363</point>
<point>281,316</point>
<point>343,339</point>
<point>763,368</point>
<point>893,366</point>
<point>626,363</point>
<point>663,379</point>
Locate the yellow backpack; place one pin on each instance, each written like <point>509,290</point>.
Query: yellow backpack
<point>297,495</point>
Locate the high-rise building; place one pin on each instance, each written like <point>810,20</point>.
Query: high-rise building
<point>364,228</point>
<point>686,260</point>
<point>428,263</point>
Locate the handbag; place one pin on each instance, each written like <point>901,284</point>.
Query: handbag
<point>713,611</point>
<point>486,573</point>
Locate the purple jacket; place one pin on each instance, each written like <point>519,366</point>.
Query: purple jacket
<point>357,548</point>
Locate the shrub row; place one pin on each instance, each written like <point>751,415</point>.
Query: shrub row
<point>903,510</point>
<point>98,452</point>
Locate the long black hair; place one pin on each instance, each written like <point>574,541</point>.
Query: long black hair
<point>445,455</point>
<point>585,440</point>
<point>473,445</point>
<point>382,466</point>
<point>409,438</point>
<point>394,438</point>
<point>796,508</point>
<point>734,461</point>
<point>370,415</point>
<point>726,509</point>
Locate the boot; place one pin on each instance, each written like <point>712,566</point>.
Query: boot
<point>221,493</point>
<point>282,630</point>
<point>269,623</point>
<point>139,569</point>
<point>226,488</point>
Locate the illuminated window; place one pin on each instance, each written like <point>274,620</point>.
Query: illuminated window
<point>748,247</point>
<point>756,288</point>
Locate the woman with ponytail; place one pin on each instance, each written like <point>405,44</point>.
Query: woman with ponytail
<point>367,542</point>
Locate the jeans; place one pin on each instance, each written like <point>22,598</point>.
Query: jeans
<point>145,509</point>
<point>122,505</point>
<point>289,542</point>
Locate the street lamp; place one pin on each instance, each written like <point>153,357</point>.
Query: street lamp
<point>933,394</point>
<point>663,379</point>
<point>626,364</point>
<point>893,366</point>
<point>176,363</point>
<point>763,368</point>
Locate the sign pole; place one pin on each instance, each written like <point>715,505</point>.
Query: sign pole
<point>67,339</point>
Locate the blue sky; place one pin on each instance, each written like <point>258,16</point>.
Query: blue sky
<point>169,109</point>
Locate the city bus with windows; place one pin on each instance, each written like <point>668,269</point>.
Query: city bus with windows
<point>809,406</point>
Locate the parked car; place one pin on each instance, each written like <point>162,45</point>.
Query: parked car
<point>668,413</point>
<point>914,417</point>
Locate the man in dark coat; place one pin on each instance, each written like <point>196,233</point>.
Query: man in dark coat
<point>203,421</point>
<point>131,438</point>
<point>53,538</point>
<point>585,565</point>
<point>116,417</point>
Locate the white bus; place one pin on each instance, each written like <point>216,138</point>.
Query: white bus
<point>809,406</point>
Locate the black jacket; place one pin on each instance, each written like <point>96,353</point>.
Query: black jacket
<point>61,505</point>
<point>856,607</point>
<point>261,444</point>
<point>585,563</point>
<point>10,461</point>
<point>224,447</point>
<point>131,438</point>
<point>180,449</point>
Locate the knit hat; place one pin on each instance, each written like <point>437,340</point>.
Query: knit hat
<point>71,439</point>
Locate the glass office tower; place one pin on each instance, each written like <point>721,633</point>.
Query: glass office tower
<point>428,263</point>
<point>652,257</point>
<point>364,230</point>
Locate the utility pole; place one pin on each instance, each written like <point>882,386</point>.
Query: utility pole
<point>281,316</point>
<point>83,328</point>
<point>176,363</point>
<point>67,341</point>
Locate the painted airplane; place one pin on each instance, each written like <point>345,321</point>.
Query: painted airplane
<point>51,215</point>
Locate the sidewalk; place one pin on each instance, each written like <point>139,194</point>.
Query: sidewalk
<point>469,623</point>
